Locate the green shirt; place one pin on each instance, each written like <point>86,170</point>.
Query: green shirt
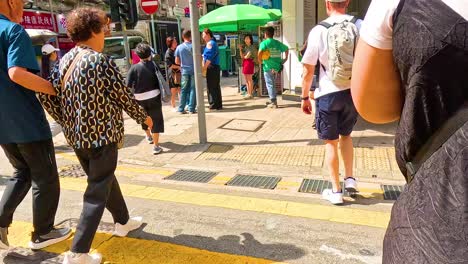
<point>252,50</point>
<point>275,48</point>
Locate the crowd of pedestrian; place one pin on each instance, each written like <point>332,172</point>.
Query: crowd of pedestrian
<point>371,67</point>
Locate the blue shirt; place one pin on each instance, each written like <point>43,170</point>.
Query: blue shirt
<point>211,52</point>
<point>184,52</point>
<point>22,119</point>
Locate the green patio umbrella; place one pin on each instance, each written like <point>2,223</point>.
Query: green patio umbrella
<point>232,18</point>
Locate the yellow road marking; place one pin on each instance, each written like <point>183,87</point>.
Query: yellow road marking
<point>136,251</point>
<point>295,209</point>
<point>289,184</point>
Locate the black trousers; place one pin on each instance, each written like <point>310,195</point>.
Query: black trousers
<point>215,98</point>
<point>35,166</point>
<point>103,191</point>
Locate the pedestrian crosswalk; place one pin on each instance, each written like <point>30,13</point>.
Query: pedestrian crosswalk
<point>136,250</point>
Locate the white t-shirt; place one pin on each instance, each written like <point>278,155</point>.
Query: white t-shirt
<point>317,44</point>
<point>377,28</point>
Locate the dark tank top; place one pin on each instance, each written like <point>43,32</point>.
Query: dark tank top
<point>430,49</point>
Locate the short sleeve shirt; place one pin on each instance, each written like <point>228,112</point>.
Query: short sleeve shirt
<point>184,52</point>
<point>211,52</point>
<point>22,119</point>
<point>252,50</point>
<point>275,48</point>
<point>317,50</point>
<point>377,28</point>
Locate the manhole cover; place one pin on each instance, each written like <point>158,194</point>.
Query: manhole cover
<point>244,125</point>
<point>74,171</point>
<point>192,176</point>
<point>392,192</point>
<point>261,182</point>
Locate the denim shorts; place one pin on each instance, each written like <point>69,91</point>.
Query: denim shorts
<point>335,115</point>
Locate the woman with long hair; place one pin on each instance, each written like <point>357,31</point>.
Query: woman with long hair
<point>248,53</point>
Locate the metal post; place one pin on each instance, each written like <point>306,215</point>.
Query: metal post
<point>153,32</point>
<point>128,55</point>
<point>194,16</point>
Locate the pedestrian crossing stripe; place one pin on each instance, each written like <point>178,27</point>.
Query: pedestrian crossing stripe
<point>336,214</point>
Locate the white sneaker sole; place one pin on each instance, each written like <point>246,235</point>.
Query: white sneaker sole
<point>138,224</point>
<point>47,243</point>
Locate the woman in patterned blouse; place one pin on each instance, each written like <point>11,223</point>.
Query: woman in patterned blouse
<point>91,95</point>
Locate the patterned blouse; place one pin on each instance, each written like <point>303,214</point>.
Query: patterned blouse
<point>89,107</point>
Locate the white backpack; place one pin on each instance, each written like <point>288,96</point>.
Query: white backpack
<point>341,44</point>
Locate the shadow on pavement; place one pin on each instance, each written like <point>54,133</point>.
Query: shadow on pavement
<point>131,140</point>
<point>244,244</point>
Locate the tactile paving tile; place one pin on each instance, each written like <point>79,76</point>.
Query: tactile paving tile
<point>192,176</point>
<point>74,171</point>
<point>262,182</point>
<point>392,192</point>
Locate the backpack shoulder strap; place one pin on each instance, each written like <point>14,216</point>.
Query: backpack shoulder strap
<point>325,24</point>
<point>72,66</point>
<point>354,20</point>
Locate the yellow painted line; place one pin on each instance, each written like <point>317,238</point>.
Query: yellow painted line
<point>295,209</point>
<point>136,251</point>
<point>222,178</point>
<point>289,184</point>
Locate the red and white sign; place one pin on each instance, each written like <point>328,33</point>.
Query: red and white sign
<point>150,6</point>
<point>38,20</point>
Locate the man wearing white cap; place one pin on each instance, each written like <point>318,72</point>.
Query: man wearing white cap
<point>330,55</point>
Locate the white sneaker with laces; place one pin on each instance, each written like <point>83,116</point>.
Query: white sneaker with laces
<point>82,258</point>
<point>351,185</point>
<point>132,224</point>
<point>332,197</point>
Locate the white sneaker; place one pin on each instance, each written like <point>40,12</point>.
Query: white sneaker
<point>351,185</point>
<point>132,224</point>
<point>82,258</point>
<point>332,197</point>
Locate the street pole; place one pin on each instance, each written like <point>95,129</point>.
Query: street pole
<point>194,16</point>
<point>153,32</point>
<point>128,55</point>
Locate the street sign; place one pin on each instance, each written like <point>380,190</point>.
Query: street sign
<point>178,11</point>
<point>150,6</point>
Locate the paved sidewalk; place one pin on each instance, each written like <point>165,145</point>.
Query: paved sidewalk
<point>247,137</point>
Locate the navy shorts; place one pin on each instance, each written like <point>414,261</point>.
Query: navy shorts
<point>335,115</point>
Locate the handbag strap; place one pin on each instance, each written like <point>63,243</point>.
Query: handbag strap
<point>72,66</point>
<point>435,142</point>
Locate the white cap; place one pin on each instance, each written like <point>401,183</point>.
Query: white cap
<point>48,49</point>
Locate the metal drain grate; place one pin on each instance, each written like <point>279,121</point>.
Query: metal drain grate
<point>261,182</point>
<point>192,176</point>
<point>391,192</point>
<point>314,186</point>
<point>317,187</point>
<point>74,171</point>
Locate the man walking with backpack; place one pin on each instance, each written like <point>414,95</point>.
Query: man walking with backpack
<point>331,46</point>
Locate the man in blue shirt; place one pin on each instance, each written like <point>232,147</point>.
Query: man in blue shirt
<point>25,135</point>
<point>184,57</point>
<point>213,71</point>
